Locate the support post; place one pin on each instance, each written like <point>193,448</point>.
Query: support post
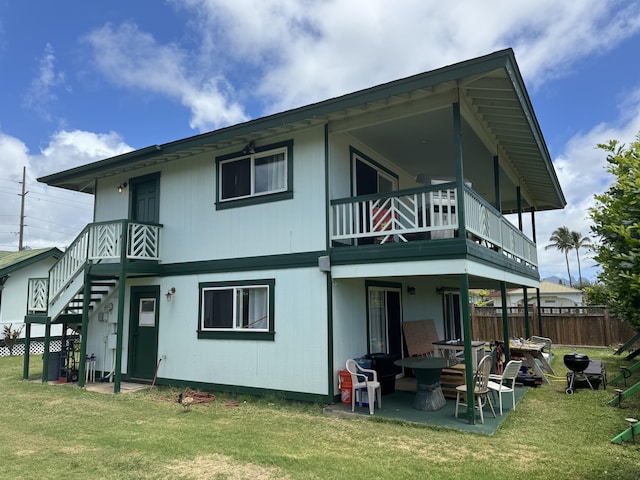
<point>457,141</point>
<point>525,300</point>
<point>117,375</point>
<point>468,364</point>
<point>27,349</point>
<point>505,321</point>
<point>47,345</point>
<point>86,302</point>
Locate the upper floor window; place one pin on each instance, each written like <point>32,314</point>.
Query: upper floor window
<point>256,176</point>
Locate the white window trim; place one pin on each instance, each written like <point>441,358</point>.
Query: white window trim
<point>253,157</point>
<point>234,327</point>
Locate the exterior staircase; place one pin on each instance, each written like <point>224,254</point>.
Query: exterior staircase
<point>109,245</point>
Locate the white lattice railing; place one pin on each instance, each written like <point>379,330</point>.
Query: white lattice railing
<point>104,241</point>
<point>37,295</point>
<point>427,213</point>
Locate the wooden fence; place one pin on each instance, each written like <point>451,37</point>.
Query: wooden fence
<point>582,326</point>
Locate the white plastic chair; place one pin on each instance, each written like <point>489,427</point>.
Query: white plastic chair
<point>480,390</point>
<point>360,380</point>
<point>506,382</point>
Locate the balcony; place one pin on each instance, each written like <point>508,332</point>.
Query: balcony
<point>427,214</point>
<point>103,243</point>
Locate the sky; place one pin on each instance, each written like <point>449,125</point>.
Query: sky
<point>82,81</point>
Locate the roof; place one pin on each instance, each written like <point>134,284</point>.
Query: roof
<point>490,88</point>
<point>546,288</point>
<point>12,261</point>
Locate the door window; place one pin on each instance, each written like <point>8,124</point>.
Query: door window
<point>385,320</point>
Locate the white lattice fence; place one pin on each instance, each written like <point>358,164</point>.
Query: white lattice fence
<point>35,348</point>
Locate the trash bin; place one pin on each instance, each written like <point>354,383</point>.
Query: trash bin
<point>382,363</point>
<point>345,386</point>
<point>53,370</point>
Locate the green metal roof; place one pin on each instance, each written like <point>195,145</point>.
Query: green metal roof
<point>12,261</point>
<point>491,86</point>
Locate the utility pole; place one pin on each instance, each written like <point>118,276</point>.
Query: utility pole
<point>23,194</point>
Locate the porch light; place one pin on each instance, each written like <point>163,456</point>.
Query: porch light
<point>250,148</point>
<point>411,290</point>
<point>121,187</point>
<point>170,293</point>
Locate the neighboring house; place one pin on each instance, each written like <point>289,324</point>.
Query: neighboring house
<point>16,268</point>
<point>259,257</point>
<point>551,295</point>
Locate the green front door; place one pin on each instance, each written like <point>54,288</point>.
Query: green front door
<point>143,341</point>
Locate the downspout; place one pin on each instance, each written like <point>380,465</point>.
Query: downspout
<point>329,280</point>
<point>117,376</point>
<point>464,278</point>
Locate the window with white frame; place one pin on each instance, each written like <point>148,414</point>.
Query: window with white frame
<point>245,307</point>
<point>259,173</point>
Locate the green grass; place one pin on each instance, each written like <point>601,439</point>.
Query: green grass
<point>49,431</point>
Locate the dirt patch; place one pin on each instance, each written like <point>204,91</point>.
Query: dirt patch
<point>221,467</point>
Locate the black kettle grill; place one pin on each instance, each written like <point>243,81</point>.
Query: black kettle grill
<point>577,363</point>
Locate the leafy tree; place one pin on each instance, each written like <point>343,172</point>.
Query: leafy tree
<point>577,242</point>
<point>596,294</point>
<point>616,218</point>
<point>562,240</point>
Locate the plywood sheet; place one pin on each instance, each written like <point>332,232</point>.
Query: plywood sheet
<point>419,336</point>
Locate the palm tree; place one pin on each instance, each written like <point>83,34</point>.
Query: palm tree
<point>578,241</point>
<point>562,240</point>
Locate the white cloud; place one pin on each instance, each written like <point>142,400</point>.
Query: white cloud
<point>582,172</point>
<point>40,94</point>
<point>133,59</point>
<point>304,51</point>
<point>53,216</point>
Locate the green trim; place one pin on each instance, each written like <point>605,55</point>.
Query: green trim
<point>86,302</point>
<point>412,251</point>
<point>242,390</point>
<point>459,159</point>
<point>381,284</point>
<point>238,334</point>
<point>267,262</point>
<point>429,250</point>
<point>256,199</point>
<point>505,321</point>
<point>466,328</point>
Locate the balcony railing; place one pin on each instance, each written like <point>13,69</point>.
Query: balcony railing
<point>104,242</point>
<point>427,213</point>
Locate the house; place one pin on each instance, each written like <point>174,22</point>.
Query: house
<point>261,256</point>
<point>551,295</point>
<point>16,268</point>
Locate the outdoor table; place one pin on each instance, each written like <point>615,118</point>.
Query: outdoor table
<point>429,396</point>
<point>532,352</point>
<point>443,348</point>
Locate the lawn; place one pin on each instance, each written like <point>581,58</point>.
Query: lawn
<point>50,431</point>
